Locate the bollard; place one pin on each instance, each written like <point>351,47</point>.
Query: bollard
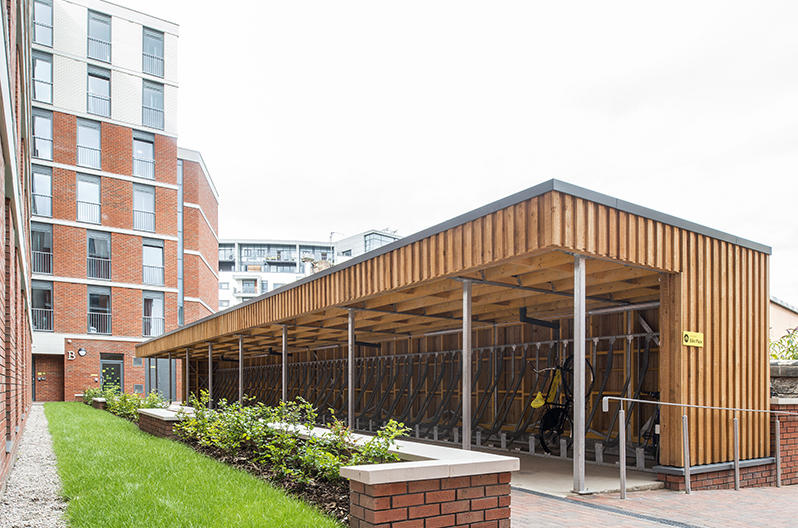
<point>479,438</point>
<point>736,454</point>
<point>435,433</point>
<point>622,449</point>
<point>563,447</point>
<point>503,439</point>
<point>455,435</point>
<point>640,459</point>
<point>531,445</point>
<point>778,452</point>
<point>598,447</point>
<point>686,452</point>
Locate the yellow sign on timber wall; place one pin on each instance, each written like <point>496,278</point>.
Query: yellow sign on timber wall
<point>693,339</point>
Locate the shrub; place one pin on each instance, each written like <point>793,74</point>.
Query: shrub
<point>123,404</point>
<point>90,393</point>
<point>785,347</point>
<point>272,436</point>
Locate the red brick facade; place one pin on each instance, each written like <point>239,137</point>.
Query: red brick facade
<point>476,501</point>
<point>49,373</point>
<point>756,476</point>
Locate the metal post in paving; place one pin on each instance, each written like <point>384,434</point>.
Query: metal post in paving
<point>622,448</point>
<point>736,454</point>
<point>210,375</point>
<point>187,375</point>
<point>580,318</point>
<point>686,453</point>
<point>778,452</point>
<point>350,369</point>
<point>241,370</point>
<point>466,387</point>
<point>285,364</point>
<point>170,377</point>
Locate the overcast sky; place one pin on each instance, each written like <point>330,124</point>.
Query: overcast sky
<point>322,116</point>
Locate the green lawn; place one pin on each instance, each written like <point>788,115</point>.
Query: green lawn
<point>114,475</point>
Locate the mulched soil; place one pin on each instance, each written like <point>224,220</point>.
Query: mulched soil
<point>330,497</point>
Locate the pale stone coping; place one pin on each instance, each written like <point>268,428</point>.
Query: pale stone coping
<point>167,415</point>
<point>776,400</point>
<point>424,461</point>
<point>98,400</point>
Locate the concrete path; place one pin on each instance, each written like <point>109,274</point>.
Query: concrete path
<point>31,499</point>
<point>771,507</point>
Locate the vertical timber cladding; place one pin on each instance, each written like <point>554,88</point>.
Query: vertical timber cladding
<point>708,285</point>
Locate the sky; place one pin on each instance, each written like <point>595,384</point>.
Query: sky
<point>320,117</point>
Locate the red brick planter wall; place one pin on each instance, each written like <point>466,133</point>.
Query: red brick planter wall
<point>757,476</point>
<point>98,405</point>
<point>156,427</point>
<point>477,501</point>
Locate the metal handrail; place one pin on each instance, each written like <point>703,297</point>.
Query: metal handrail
<point>605,407</point>
<point>89,157</point>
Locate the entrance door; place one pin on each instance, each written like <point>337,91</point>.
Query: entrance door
<point>111,377</point>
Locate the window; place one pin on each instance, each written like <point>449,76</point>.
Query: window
<point>249,286</point>
<point>98,97</point>
<point>264,286</point>
<point>98,255</point>
<point>138,362</point>
<point>43,22</point>
<point>99,316</point>
<point>144,208</point>
<point>99,44</point>
<point>224,303</point>
<point>42,134</point>
<point>152,52</point>
<point>89,150</point>
<point>143,155</point>
<point>152,256</point>
<point>42,192</point>
<point>41,242</point>
<point>153,314</point>
<point>152,105</point>
<point>224,285</point>
<point>88,199</point>
<point>138,388</point>
<point>278,285</point>
<point>347,253</point>
<point>42,302</point>
<point>375,240</point>
<point>42,77</point>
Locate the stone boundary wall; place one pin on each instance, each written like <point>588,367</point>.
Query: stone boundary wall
<point>754,476</point>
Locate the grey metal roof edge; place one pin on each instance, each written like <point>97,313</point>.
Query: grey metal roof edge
<point>526,194</point>
<point>784,304</point>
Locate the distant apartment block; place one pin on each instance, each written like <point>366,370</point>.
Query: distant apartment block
<point>248,268</point>
<point>124,222</point>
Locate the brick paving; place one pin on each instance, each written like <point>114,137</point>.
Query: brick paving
<point>773,507</point>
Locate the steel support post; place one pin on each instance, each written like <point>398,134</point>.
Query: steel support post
<point>241,370</point>
<point>580,318</point>
<point>778,452</point>
<point>622,449</point>
<point>350,370</point>
<point>210,375</point>
<point>686,453</point>
<point>188,377</point>
<point>736,454</point>
<point>466,388</point>
<point>284,375</point>
<point>170,378</point>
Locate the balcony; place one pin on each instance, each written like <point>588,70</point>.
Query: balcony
<point>144,168</point>
<point>43,319</point>
<point>42,204</point>
<point>143,220</point>
<point>99,49</point>
<point>152,64</point>
<point>98,268</point>
<point>42,262</point>
<point>153,275</point>
<point>152,117</point>
<point>99,323</point>
<point>42,148</point>
<point>98,105</point>
<point>153,326</point>
<point>89,157</point>
<point>43,34</point>
<point>88,212</point>
<point>42,91</point>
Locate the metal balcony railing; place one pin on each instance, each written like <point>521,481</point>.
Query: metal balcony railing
<point>226,255</point>
<point>42,262</point>
<point>42,148</point>
<point>98,104</point>
<point>144,168</point>
<point>89,157</point>
<point>99,323</point>
<point>152,64</point>
<point>143,220</point>
<point>42,204</point>
<point>152,326</point>
<point>152,117</point>
<point>99,49</point>
<point>89,212</point>
<point>42,34</point>
<point>43,319</point>
<point>42,91</point>
<point>98,268</point>
<point>153,275</point>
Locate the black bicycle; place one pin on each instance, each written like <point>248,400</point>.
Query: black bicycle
<point>556,419</point>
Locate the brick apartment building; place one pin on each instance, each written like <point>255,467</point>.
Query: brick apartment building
<point>15,315</point>
<point>124,222</point>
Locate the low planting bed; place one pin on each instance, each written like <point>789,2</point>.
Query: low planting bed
<point>121,404</point>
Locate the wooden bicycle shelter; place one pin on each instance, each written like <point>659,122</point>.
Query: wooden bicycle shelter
<point>530,271</point>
